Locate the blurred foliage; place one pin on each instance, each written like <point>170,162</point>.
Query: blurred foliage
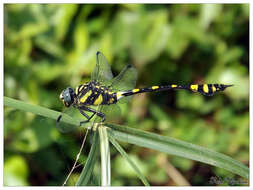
<point>50,47</point>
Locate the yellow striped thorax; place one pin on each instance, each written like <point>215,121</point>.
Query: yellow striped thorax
<point>94,94</point>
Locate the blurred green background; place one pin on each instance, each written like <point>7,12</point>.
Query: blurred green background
<point>50,47</point>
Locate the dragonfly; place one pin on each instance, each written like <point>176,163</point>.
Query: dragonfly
<point>104,90</point>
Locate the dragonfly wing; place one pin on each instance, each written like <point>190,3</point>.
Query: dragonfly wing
<point>111,112</point>
<point>125,80</point>
<point>102,71</point>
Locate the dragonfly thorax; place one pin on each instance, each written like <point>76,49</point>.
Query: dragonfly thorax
<point>93,93</point>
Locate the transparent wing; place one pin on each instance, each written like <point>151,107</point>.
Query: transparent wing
<point>102,71</point>
<point>111,112</point>
<point>126,80</point>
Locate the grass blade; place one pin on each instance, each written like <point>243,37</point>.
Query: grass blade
<point>124,154</point>
<point>39,110</point>
<point>179,148</point>
<point>86,173</point>
<point>105,156</point>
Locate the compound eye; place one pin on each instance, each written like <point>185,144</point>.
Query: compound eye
<point>70,90</point>
<point>67,97</point>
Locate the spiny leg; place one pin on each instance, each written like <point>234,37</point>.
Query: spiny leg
<point>85,115</point>
<point>88,119</point>
<point>100,114</point>
<point>83,108</point>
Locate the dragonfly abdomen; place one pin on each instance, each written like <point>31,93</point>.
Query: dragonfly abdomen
<point>205,89</point>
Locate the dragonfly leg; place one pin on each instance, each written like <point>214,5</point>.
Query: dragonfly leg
<point>85,115</point>
<point>82,109</point>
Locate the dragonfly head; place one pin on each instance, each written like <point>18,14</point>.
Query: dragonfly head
<point>67,96</point>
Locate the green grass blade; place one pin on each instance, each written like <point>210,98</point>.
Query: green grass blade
<point>45,112</point>
<point>124,154</point>
<point>86,173</point>
<point>105,156</point>
<point>179,148</point>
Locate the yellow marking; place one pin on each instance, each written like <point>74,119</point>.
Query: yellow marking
<point>205,88</point>
<point>173,85</point>
<point>77,90</point>
<point>110,92</point>
<point>99,100</point>
<point>213,88</point>
<point>97,87</point>
<point>155,87</point>
<point>135,90</point>
<point>119,95</point>
<point>194,87</point>
<point>84,98</point>
<point>81,88</point>
<point>111,100</point>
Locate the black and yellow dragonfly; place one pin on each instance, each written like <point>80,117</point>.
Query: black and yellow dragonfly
<point>104,90</point>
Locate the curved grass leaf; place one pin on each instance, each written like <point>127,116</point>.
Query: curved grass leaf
<point>85,176</point>
<point>127,158</point>
<point>176,147</point>
<point>39,110</point>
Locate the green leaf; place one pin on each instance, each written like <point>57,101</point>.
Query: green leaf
<point>178,148</point>
<point>17,104</point>
<point>208,13</point>
<point>66,12</point>
<point>90,163</point>
<point>127,158</point>
<point>105,156</point>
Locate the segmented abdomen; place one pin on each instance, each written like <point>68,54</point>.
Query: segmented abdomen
<point>205,89</point>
